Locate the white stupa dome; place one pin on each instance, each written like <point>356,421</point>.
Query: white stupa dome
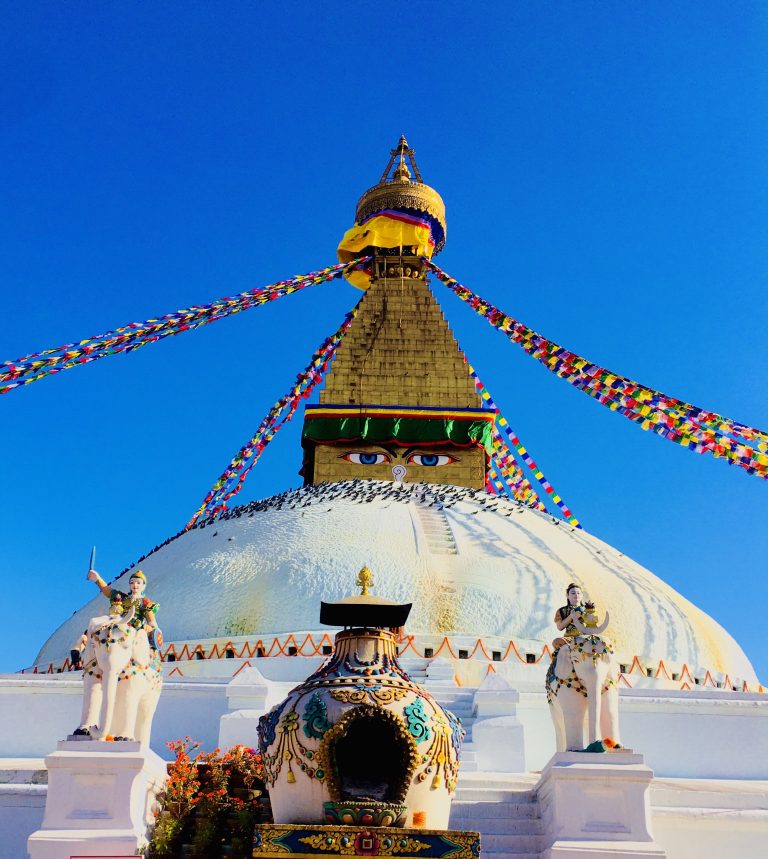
<point>471,564</point>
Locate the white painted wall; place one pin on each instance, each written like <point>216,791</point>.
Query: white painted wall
<point>708,749</point>
<point>697,734</point>
<point>701,734</point>
<point>37,711</point>
<point>22,803</point>
<point>710,819</point>
<point>21,813</point>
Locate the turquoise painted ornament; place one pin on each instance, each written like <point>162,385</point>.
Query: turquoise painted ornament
<point>418,722</point>
<point>316,718</point>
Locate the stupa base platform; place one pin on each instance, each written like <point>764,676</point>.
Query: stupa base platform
<point>307,841</point>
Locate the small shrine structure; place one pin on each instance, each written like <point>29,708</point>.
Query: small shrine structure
<point>359,751</point>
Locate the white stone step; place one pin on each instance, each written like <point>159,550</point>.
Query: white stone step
<point>520,784</point>
<point>511,804</point>
<point>493,802</point>
<point>450,696</point>
<point>464,713</point>
<point>505,854</point>
<point>23,771</point>
<point>414,663</point>
<point>510,843</point>
<point>499,825</point>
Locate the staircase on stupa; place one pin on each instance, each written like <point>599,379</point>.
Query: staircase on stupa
<point>503,808</point>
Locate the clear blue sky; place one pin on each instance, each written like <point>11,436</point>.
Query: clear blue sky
<point>604,171</point>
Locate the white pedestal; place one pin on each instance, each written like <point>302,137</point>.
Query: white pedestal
<point>100,800</point>
<point>499,745</point>
<point>247,697</point>
<point>596,805</point>
<point>240,728</point>
<point>498,736</point>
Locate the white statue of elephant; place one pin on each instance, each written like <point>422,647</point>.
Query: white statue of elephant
<point>582,690</point>
<point>122,680</point>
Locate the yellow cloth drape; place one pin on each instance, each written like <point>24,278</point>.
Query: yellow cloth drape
<point>382,231</point>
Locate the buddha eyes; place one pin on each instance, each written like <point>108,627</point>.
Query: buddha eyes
<point>367,458</point>
<point>429,460</point>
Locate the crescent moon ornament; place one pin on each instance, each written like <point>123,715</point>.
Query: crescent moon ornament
<point>585,630</point>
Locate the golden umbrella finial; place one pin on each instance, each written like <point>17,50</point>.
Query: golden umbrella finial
<point>364,581</point>
<point>402,173</point>
<point>401,188</point>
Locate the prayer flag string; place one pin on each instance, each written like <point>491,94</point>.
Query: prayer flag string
<point>498,476</point>
<point>518,480</point>
<point>697,429</point>
<point>499,482</point>
<point>509,472</point>
<point>504,467</point>
<point>231,480</point>
<point>512,474</point>
<point>30,368</point>
<point>493,484</point>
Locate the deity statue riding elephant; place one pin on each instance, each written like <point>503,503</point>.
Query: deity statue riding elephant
<point>122,671</point>
<point>122,680</point>
<point>582,689</point>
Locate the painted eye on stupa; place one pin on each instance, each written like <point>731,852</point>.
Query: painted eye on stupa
<point>366,458</point>
<point>431,459</point>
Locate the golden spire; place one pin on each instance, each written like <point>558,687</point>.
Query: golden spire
<point>402,150</point>
<point>404,189</point>
<point>364,581</point>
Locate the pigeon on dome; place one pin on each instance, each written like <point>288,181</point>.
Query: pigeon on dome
<point>364,609</point>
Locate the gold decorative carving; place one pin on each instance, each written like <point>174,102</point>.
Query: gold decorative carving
<point>383,695</point>
<point>333,843</point>
<point>290,751</point>
<point>397,195</point>
<point>438,761</point>
<point>271,841</point>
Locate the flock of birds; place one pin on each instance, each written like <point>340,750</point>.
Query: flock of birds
<point>363,491</point>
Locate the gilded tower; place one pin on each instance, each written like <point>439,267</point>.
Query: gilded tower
<point>398,403</point>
